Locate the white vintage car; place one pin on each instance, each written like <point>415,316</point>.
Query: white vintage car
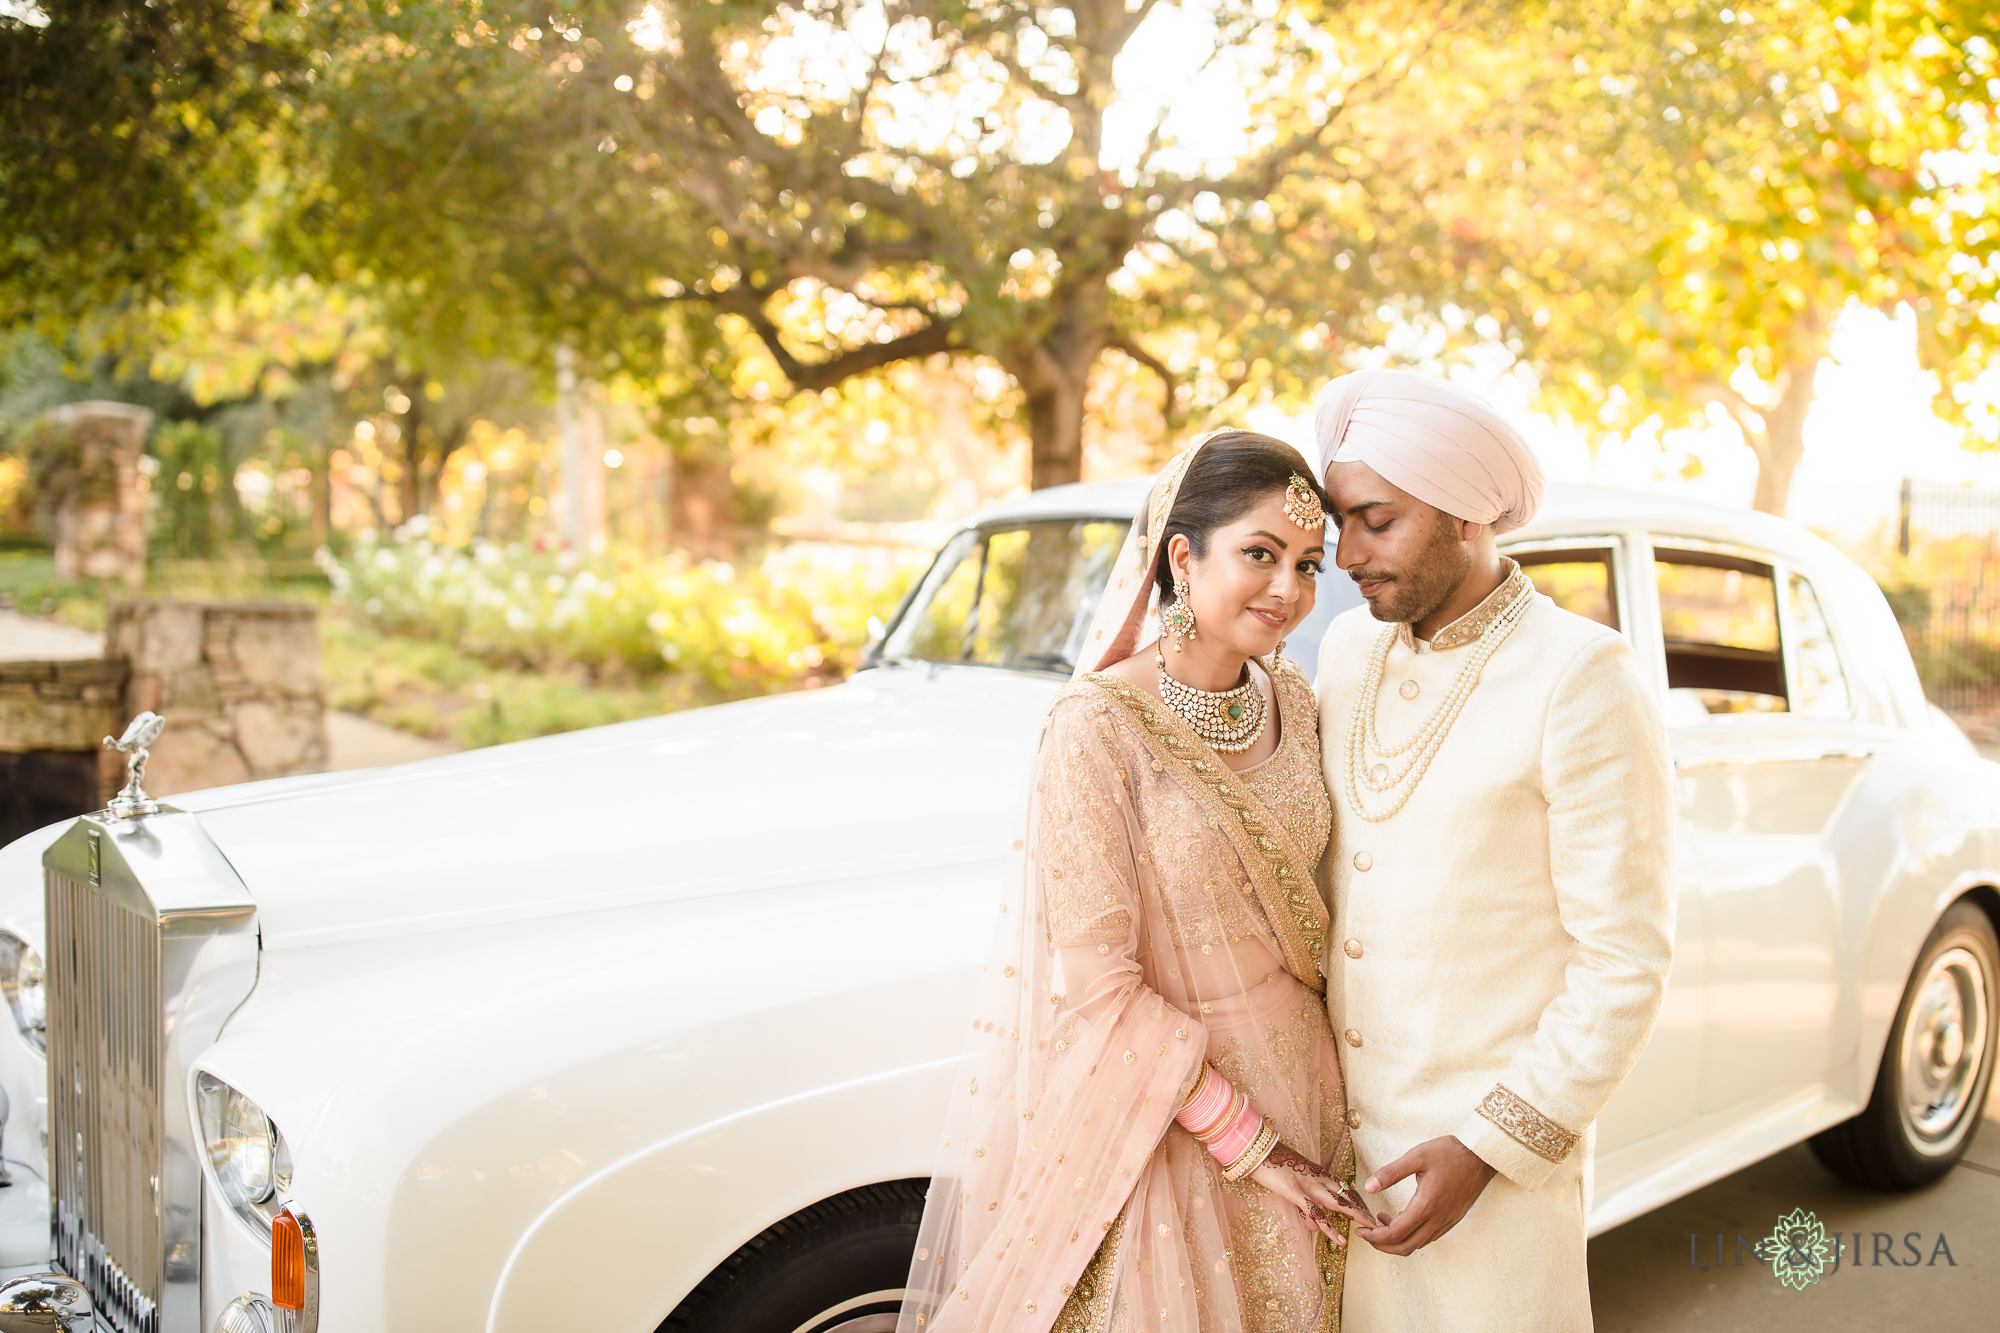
<point>649,1027</point>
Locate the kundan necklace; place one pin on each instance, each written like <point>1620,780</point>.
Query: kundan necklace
<point>1229,720</point>
<point>1370,765</point>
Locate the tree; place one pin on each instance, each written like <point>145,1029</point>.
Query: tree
<point>131,129</point>
<point>849,184</point>
<point>1733,179</point>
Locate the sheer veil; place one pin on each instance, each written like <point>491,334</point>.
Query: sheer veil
<point>1128,614</point>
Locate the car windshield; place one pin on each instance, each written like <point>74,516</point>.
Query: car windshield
<point>1017,595</point>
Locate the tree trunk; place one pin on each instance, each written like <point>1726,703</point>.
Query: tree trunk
<point>1055,426</point>
<point>409,486</point>
<point>322,497</point>
<point>702,514</point>
<point>1054,372</point>
<point>1782,442</point>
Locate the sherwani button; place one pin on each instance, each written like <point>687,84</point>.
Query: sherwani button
<point>1354,1120</point>
<point>1352,948</point>
<point>1353,1037</point>
<point>1362,861</point>
<point>1408,689</point>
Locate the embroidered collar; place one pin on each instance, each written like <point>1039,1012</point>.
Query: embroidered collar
<point>1470,626</point>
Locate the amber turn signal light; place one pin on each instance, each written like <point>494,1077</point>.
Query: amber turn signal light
<point>288,1263</point>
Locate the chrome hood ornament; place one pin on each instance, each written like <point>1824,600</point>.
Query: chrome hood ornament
<point>144,730</point>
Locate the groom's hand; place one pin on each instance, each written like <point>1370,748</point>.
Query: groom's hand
<point>1449,1178</point>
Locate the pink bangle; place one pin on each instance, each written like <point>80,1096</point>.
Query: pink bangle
<point>1207,1107</point>
<point>1220,1117</point>
<point>1242,1131</point>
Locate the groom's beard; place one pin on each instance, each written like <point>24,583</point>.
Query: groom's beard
<point>1428,582</point>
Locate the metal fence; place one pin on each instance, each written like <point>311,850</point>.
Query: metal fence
<point>1949,602</point>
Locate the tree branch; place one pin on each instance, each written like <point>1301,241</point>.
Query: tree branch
<point>811,377</point>
<point>1169,382</point>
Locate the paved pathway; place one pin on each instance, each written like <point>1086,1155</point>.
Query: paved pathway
<point>353,741</point>
<point>33,639</point>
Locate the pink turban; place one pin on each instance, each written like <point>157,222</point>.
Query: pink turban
<point>1443,444</point>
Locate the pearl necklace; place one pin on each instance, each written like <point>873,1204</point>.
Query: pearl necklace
<point>1230,721</point>
<point>1363,744</point>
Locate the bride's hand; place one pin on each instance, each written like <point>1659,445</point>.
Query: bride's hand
<point>1311,1188</point>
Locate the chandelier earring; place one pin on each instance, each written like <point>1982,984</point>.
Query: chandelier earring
<point>1177,618</point>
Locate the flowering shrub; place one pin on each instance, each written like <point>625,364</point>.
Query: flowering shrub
<point>800,617</point>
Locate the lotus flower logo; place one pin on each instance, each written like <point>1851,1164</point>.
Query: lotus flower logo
<point>1798,1250</point>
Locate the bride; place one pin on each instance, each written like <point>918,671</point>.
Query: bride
<point>1148,1131</point>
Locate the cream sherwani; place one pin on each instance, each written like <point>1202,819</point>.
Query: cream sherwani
<point>1499,945</point>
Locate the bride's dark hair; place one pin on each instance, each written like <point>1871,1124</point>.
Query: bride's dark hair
<point>1235,472</point>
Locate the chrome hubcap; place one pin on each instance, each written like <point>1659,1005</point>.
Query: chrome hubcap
<point>1944,1042</point>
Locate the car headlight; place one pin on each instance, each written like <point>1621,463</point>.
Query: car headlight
<point>27,997</point>
<point>252,1163</point>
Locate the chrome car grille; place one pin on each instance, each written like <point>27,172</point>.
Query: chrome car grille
<point>106,1034</point>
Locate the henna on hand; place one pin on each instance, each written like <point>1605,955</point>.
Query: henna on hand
<point>1291,1160</point>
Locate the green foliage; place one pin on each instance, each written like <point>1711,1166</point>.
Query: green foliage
<point>799,618</point>
<point>431,689</point>
<point>132,128</point>
<point>54,471</point>
<point>1677,207</point>
<point>28,583</point>
<point>190,515</point>
<point>848,185</point>
<point>1656,205</point>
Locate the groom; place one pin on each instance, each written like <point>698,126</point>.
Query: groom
<point>1500,874</point>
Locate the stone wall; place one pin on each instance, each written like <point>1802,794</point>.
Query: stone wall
<point>54,716</point>
<point>238,683</point>
<point>100,531</point>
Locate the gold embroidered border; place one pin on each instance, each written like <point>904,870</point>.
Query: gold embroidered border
<point>1471,626</point>
<point>1331,1258</point>
<point>1290,899</point>
<point>1527,1126</point>
<point>1088,1309</point>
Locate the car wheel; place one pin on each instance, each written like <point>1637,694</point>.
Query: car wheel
<point>1936,1070</point>
<point>838,1267</point>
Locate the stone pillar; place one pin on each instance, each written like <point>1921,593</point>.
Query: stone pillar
<point>238,683</point>
<point>100,528</point>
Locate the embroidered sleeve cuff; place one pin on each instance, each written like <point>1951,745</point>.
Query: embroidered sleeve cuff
<point>1515,1139</point>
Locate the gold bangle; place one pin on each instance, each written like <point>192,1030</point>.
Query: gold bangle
<point>1254,1155</point>
<point>1199,1083</point>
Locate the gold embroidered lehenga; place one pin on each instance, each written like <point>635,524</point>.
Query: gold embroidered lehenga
<point>1165,915</point>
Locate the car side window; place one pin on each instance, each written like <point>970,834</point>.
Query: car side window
<point>1578,579</point>
<point>1719,620</point>
<point>1018,596</point>
<point>1820,684</point>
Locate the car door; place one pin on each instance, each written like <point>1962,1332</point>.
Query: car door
<point>1606,579</point>
<point>1766,749</point>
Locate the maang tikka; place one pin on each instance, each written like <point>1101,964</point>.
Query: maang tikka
<point>1177,618</point>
